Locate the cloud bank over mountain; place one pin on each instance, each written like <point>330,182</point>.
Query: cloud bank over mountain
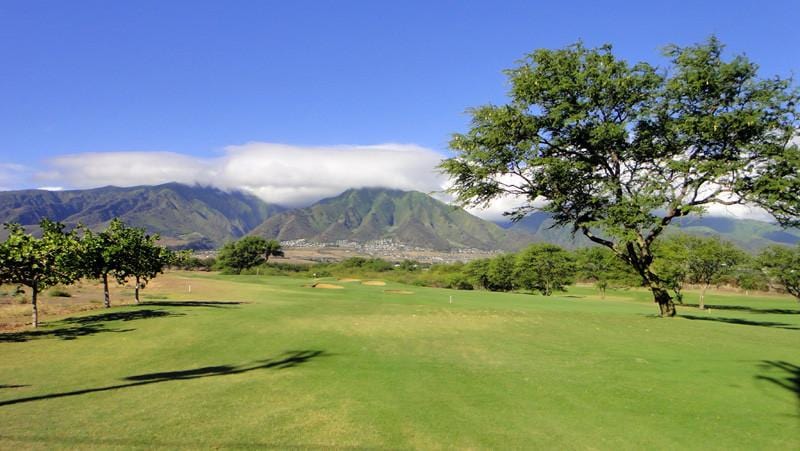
<point>289,175</point>
<point>278,173</point>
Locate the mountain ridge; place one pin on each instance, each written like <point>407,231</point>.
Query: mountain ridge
<point>202,217</point>
<point>185,216</point>
<point>408,217</point>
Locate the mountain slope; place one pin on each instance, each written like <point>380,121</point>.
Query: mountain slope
<point>185,216</point>
<point>746,233</point>
<point>408,217</point>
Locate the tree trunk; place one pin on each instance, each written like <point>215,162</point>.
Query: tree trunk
<point>703,297</point>
<point>35,303</point>
<point>136,290</point>
<point>106,296</point>
<point>665,305</point>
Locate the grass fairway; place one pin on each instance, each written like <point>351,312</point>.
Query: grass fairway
<point>268,362</point>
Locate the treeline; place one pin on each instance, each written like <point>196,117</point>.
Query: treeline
<point>679,259</point>
<point>60,257</point>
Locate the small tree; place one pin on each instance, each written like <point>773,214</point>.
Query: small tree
<point>544,268</point>
<point>500,274</point>
<point>39,263</point>
<point>782,264</point>
<point>243,254</point>
<point>601,266</point>
<point>142,258</point>
<point>709,260</point>
<point>105,254</point>
<point>477,271</point>
<point>618,151</point>
<point>749,276</point>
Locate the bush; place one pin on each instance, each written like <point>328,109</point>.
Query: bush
<point>60,293</point>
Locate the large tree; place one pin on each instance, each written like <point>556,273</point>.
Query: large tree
<point>39,263</point>
<point>243,254</point>
<point>618,151</point>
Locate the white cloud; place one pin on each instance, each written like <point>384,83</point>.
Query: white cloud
<point>93,169</point>
<point>300,175</point>
<point>281,174</point>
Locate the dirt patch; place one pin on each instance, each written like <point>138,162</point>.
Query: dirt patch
<point>374,283</point>
<point>349,280</point>
<point>327,286</point>
<point>398,291</point>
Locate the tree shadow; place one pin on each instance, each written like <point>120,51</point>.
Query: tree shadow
<point>744,322</point>
<point>743,308</point>
<point>81,326</point>
<point>129,315</point>
<point>212,304</point>
<point>13,386</point>
<point>789,379</point>
<point>290,359</point>
<point>63,333</point>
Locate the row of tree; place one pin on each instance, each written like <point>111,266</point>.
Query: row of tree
<point>58,257</point>
<point>679,260</point>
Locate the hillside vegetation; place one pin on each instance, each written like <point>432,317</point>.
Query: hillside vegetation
<point>185,216</point>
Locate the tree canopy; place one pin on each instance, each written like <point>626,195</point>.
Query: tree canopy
<point>247,252</point>
<point>618,151</point>
<point>141,257</point>
<point>545,268</point>
<point>39,263</point>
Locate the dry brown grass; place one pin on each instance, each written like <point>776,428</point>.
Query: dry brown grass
<point>15,311</point>
<point>398,291</point>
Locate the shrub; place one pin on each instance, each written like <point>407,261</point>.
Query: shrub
<point>60,293</point>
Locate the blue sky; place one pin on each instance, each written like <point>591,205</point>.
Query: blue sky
<point>192,79</point>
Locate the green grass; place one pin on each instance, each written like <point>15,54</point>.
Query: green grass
<point>273,363</point>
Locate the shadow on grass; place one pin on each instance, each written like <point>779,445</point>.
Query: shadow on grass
<point>13,386</point>
<point>744,322</point>
<point>212,304</point>
<point>743,308</point>
<point>129,315</point>
<point>81,326</point>
<point>64,333</point>
<point>289,359</point>
<point>789,378</point>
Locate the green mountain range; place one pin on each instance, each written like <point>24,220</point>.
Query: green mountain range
<point>408,217</point>
<point>205,218</point>
<point>185,216</point>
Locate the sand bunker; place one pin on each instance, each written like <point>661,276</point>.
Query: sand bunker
<point>328,286</point>
<point>374,283</point>
<point>398,291</point>
<point>349,280</point>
